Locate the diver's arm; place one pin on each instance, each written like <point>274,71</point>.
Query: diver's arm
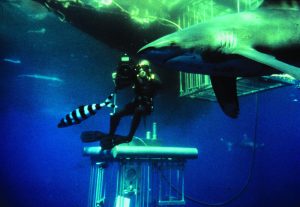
<point>114,76</point>
<point>156,80</point>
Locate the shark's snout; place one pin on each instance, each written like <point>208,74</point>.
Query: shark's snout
<point>172,58</point>
<point>159,55</point>
<point>146,49</point>
<point>170,53</point>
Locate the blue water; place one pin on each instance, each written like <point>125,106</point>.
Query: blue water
<point>42,165</point>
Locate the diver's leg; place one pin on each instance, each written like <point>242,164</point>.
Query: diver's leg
<point>116,118</point>
<point>109,141</point>
<point>114,122</point>
<point>134,124</point>
<point>137,115</point>
<point>144,107</point>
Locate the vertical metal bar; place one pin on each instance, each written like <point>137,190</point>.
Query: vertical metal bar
<point>137,186</point>
<point>170,181</point>
<point>121,187</point>
<point>206,80</point>
<point>177,182</point>
<point>96,184</point>
<point>160,184</point>
<point>115,102</point>
<point>191,81</point>
<point>101,187</point>
<point>99,183</point>
<point>148,185</point>
<point>188,19</point>
<point>186,82</point>
<point>180,83</point>
<point>182,175</point>
<point>118,181</point>
<point>143,188</point>
<point>201,81</point>
<point>211,8</point>
<point>91,187</point>
<point>194,18</point>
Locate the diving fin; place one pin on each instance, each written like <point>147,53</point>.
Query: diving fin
<point>110,141</point>
<point>226,94</point>
<point>107,141</point>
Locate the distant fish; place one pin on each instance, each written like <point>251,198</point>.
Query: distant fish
<point>40,16</point>
<point>39,31</point>
<point>32,8</point>
<point>245,143</point>
<point>42,77</point>
<point>14,61</point>
<point>83,112</point>
<point>251,144</point>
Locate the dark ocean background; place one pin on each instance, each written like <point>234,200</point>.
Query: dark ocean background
<point>42,165</point>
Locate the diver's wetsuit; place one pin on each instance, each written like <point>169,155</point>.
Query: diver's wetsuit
<point>145,89</point>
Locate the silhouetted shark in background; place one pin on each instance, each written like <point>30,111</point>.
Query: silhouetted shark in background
<point>115,26</point>
<point>253,43</point>
<point>112,26</point>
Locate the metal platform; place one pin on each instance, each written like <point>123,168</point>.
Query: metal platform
<point>147,176</point>
<point>141,152</point>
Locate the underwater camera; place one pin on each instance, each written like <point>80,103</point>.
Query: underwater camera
<point>126,66</point>
<point>125,73</point>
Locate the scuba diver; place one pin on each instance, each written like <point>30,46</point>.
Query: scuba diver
<point>145,84</point>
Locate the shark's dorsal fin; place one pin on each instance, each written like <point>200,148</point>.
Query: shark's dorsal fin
<point>226,93</point>
<point>269,60</point>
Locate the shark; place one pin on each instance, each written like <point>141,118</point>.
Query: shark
<point>125,25</point>
<point>41,77</point>
<point>255,43</point>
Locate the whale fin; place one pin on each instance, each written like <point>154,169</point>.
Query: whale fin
<point>269,60</point>
<point>226,93</point>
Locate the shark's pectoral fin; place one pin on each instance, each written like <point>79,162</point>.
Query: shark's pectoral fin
<point>226,93</point>
<point>269,61</point>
